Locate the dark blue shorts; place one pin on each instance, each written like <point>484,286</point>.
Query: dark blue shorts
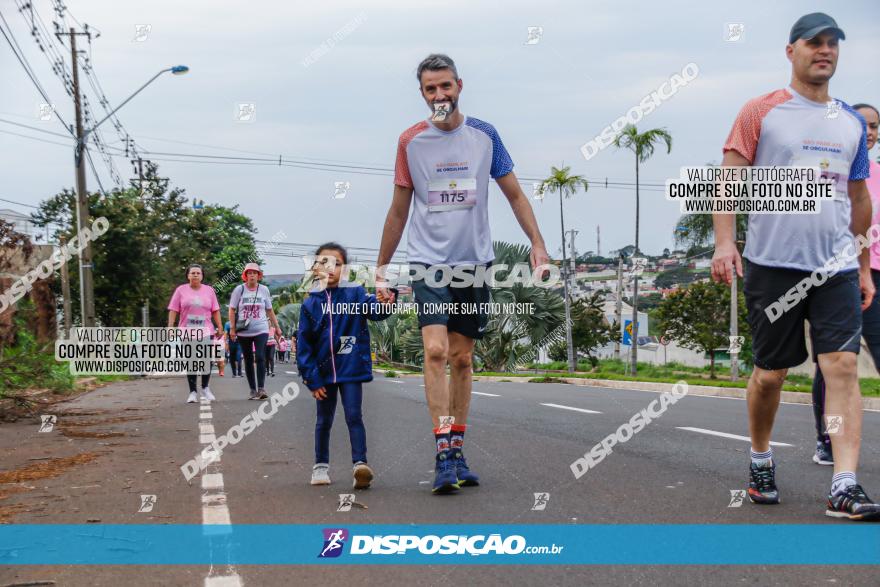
<point>436,304</point>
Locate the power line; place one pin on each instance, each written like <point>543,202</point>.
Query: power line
<point>26,66</point>
<point>34,128</point>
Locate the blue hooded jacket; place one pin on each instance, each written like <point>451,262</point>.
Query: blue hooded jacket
<point>333,341</point>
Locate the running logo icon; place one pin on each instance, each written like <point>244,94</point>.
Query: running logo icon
<point>346,500</point>
<point>47,422</point>
<point>340,189</point>
<point>147,503</point>
<point>334,541</point>
<point>346,345</point>
<point>736,343</point>
<point>534,35</point>
<point>734,32</point>
<point>833,424</point>
<point>737,498</point>
<point>832,109</point>
<point>541,500</point>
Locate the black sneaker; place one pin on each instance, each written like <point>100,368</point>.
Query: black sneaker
<point>262,394</point>
<point>823,454</point>
<point>762,484</point>
<point>853,504</point>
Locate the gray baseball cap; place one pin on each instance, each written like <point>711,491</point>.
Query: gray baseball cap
<point>810,25</point>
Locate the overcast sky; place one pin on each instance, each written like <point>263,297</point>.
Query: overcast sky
<point>594,61</point>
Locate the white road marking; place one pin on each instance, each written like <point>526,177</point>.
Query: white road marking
<point>727,435</point>
<point>212,481</point>
<point>571,408</point>
<point>486,394</point>
<point>215,514</point>
<point>227,581</point>
<point>291,372</point>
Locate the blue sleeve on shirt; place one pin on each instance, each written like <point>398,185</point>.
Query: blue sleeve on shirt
<point>502,164</point>
<point>859,168</point>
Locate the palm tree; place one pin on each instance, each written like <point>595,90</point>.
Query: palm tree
<point>510,335</point>
<point>567,185</point>
<point>642,145</point>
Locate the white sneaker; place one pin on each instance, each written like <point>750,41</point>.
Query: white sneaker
<point>206,394</point>
<point>321,474</point>
<point>193,398</point>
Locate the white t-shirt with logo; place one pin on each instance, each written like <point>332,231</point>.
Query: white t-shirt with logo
<point>783,128</point>
<point>449,172</point>
<point>252,305</point>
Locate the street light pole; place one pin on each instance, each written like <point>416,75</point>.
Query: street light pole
<point>86,286</point>
<point>86,276</point>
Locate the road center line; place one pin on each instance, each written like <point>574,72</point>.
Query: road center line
<point>726,435</point>
<point>571,408</point>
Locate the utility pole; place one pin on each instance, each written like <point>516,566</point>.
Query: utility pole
<point>86,284</point>
<point>619,309</point>
<point>573,257</point>
<point>65,292</point>
<point>598,243</point>
<point>145,313</point>
<point>569,343</point>
<point>734,328</point>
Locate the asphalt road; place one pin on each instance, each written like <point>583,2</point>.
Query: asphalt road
<point>139,432</point>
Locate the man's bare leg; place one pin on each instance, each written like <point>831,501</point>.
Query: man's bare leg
<point>843,398</point>
<point>763,400</point>
<point>461,357</point>
<point>436,345</point>
<point>764,391</point>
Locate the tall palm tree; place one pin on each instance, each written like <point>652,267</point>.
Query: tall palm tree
<point>642,145</point>
<point>567,185</point>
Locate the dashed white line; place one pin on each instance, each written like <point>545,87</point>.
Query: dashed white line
<point>486,394</point>
<point>224,581</point>
<point>215,512</point>
<point>212,480</point>
<point>726,435</point>
<point>561,407</point>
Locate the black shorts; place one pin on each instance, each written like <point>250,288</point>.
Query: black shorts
<point>777,312</point>
<point>460,309</point>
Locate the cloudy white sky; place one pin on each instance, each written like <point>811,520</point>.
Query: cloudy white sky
<point>594,61</point>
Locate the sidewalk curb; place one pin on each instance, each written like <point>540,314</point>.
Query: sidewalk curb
<point>792,397</point>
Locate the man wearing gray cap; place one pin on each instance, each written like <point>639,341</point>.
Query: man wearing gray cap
<point>802,126</point>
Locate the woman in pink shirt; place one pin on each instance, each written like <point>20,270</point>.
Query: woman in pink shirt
<point>194,305</point>
<point>871,314</point>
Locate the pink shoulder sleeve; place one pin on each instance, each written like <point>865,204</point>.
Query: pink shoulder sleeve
<point>746,131</point>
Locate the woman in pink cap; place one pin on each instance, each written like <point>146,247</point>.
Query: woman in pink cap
<point>194,305</point>
<point>250,314</point>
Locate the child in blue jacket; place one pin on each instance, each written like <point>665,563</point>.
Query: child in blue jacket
<point>333,358</point>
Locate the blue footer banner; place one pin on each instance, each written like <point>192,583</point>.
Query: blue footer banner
<point>474,544</point>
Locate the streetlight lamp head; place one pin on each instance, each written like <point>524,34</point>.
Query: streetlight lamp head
<point>179,69</point>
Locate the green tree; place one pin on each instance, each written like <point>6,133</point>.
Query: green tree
<point>152,237</point>
<point>642,146</point>
<point>590,330</point>
<point>698,318</point>
<point>566,185</point>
